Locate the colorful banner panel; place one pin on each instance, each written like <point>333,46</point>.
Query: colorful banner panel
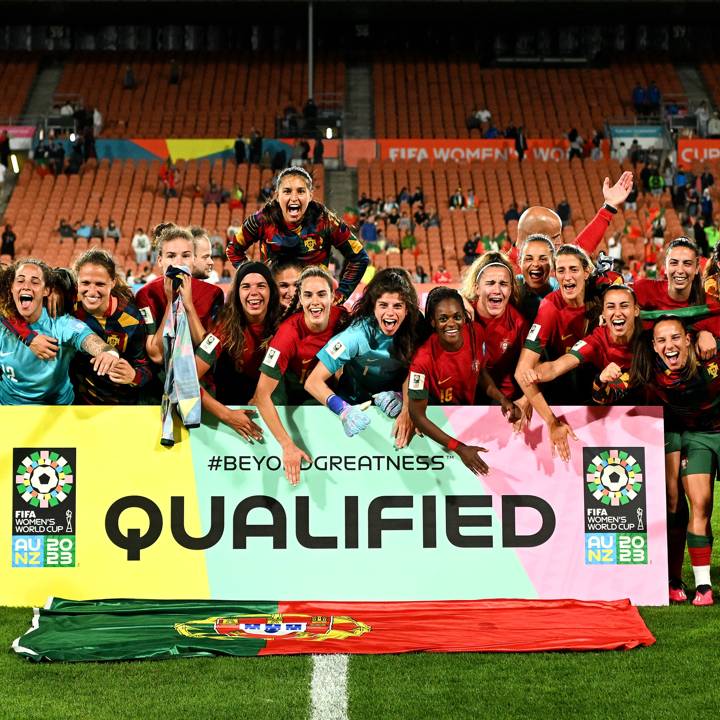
<point>690,151</point>
<point>72,631</point>
<point>215,518</point>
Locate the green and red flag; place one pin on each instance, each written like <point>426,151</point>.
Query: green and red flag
<point>93,630</point>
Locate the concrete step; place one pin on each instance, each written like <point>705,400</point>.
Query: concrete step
<point>340,189</point>
<point>39,101</point>
<point>693,85</point>
<point>359,101</point>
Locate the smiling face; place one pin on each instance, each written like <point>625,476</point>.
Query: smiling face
<point>316,300</point>
<point>286,282</point>
<point>619,313</point>
<point>390,311</point>
<point>493,289</point>
<point>571,275</point>
<point>448,320</point>
<point>254,295</point>
<point>177,252</point>
<point>536,265</point>
<point>94,286</point>
<point>294,196</point>
<point>681,266</point>
<point>671,342</point>
<point>28,291</point>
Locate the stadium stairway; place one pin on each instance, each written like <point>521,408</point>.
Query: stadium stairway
<point>693,85</point>
<point>40,99</point>
<point>341,189</point>
<point>359,111</point>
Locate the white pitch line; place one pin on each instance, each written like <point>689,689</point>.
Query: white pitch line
<point>328,688</point>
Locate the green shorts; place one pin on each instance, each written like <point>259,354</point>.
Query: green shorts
<point>701,453</point>
<point>673,442</point>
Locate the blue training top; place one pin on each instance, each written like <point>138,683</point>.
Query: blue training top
<point>25,379</point>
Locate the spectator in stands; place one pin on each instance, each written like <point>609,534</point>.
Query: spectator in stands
<point>492,133</point>
<point>470,249</point>
<point>433,218</point>
<point>141,246</point>
<point>203,266</point>
<point>702,115</point>
<point>82,230</point>
<point>645,174</point>
<point>706,207</point>
<point>656,182</point>
<point>67,109</point>
<point>631,201</point>
<point>707,179</point>
<point>368,230</point>
<point>692,201</point>
<point>239,149</point>
<point>97,122</point>
<point>129,79</point>
<point>471,198</point>
<point>112,232</point>
<point>420,275</point>
<point>511,131</point>
<point>8,242</point>
<point>393,217</point>
<point>634,153</point>
<point>700,237</point>
<point>564,212</point>
<point>403,196</point>
<point>364,203</point>
<point>418,196</point>
<point>653,98</point>
<point>442,276</point>
<point>318,150</point>
<point>279,161</point>
<point>97,231</point>
<point>388,206</point>
<point>3,174</point>
<point>237,198</point>
<point>256,142</point>
<point>669,177</point>
<point>169,177</point>
<point>521,144</point>
<point>712,233</point>
<point>66,230</point>
<point>56,154</point>
<point>420,216</point>
<point>230,233</point>
<point>638,99</point>
<point>457,200</point>
<point>512,213</point>
<point>615,245</point>
<point>310,112</point>
<point>213,195</point>
<point>713,127</point>
<point>266,192</point>
<point>657,227</point>
<point>576,144</point>
<point>620,152</point>
<point>595,143</point>
<point>679,189</point>
<point>217,245</point>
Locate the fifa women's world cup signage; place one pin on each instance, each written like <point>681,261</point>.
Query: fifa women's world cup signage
<point>93,516</point>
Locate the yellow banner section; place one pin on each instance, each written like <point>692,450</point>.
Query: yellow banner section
<point>118,453</point>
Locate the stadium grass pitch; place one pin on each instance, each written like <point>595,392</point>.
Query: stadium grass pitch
<point>680,674</point>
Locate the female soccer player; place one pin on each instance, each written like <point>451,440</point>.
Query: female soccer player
<point>448,369</point>
<point>293,225</point>
<point>235,347</point>
<point>536,280</point>
<point>25,378</point>
<point>689,388</point>
<point>106,304</point>
<point>490,287</point>
<point>374,354</point>
<point>291,356</point>
<point>286,274</point>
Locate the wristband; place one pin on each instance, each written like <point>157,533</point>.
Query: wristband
<point>610,208</point>
<point>336,404</point>
<point>453,444</point>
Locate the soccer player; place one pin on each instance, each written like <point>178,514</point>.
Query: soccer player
<point>291,356</point>
<point>448,369</point>
<point>234,348</point>
<point>25,378</point>
<point>490,286</point>
<point>689,388</point>
<point>106,304</point>
<point>374,354</point>
<point>202,301</point>
<point>286,272</point>
<point>536,280</point>
<point>293,225</point>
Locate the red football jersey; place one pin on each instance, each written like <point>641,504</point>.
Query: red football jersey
<point>448,378</point>
<point>504,337</point>
<point>557,326</point>
<point>599,350</point>
<point>653,295</point>
<point>294,347</point>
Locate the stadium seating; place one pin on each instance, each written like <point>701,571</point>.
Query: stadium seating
<point>432,99</point>
<point>17,73</point>
<point>215,98</point>
<point>496,184</point>
<point>130,193</point>
<point>711,75</point>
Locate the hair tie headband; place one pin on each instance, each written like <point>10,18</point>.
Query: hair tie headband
<point>485,267</point>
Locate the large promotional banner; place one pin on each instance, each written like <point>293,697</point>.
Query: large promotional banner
<point>697,149</point>
<point>94,507</point>
<point>467,150</point>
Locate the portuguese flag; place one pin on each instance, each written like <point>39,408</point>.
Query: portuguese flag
<point>95,630</point>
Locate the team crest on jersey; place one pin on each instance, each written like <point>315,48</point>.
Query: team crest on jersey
<point>534,331</point>
<point>209,343</point>
<point>147,315</point>
<point>504,345</point>
<point>417,381</point>
<point>578,346</point>
<point>311,243</point>
<point>712,369</point>
<point>336,349</point>
<point>271,357</point>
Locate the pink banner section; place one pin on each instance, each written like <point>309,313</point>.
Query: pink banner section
<point>609,538</point>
